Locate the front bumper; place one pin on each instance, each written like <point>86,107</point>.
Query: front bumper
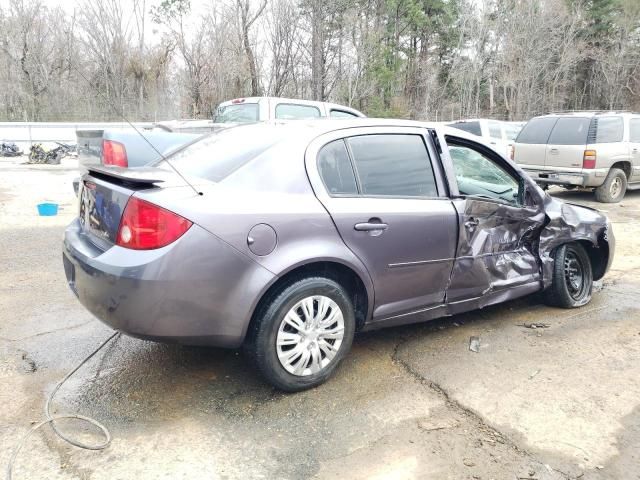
<point>196,291</point>
<point>578,177</point>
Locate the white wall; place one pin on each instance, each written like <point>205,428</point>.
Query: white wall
<point>26,133</point>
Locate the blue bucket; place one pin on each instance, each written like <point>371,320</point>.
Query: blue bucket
<point>47,209</point>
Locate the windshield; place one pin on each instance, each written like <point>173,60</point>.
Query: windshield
<point>216,156</point>
<point>237,113</point>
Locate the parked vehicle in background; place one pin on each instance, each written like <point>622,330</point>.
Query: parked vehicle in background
<point>51,155</point>
<point>598,150</point>
<point>499,134</point>
<point>126,148</point>
<point>9,149</point>
<point>367,224</point>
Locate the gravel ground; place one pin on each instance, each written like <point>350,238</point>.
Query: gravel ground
<point>411,402</point>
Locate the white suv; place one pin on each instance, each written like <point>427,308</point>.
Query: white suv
<point>599,150</point>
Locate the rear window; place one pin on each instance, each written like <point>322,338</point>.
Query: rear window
<point>537,130</point>
<point>570,131</point>
<point>238,113</point>
<point>216,156</point>
<point>393,165</point>
<point>291,111</point>
<point>609,129</point>
<point>471,127</point>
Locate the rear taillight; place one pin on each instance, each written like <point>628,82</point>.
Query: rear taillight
<point>145,226</point>
<point>512,152</point>
<point>114,153</point>
<point>589,159</point>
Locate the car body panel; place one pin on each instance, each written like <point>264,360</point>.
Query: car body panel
<point>167,294</point>
<point>204,287</point>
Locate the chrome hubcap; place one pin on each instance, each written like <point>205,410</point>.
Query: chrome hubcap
<point>310,335</point>
<point>616,187</point>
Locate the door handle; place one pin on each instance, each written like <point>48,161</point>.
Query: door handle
<point>553,151</point>
<point>370,226</point>
<point>471,223</point>
<point>635,150</point>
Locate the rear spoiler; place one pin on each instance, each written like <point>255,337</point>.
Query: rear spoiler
<point>141,176</point>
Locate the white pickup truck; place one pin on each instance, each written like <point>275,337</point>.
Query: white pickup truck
<point>127,148</point>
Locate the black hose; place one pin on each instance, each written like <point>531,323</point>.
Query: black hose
<point>50,419</point>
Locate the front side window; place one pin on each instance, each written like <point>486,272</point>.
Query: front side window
<point>609,129</point>
<point>477,175</point>
<point>394,165</point>
<point>291,111</point>
<point>335,169</point>
<point>570,131</point>
<point>634,130</point>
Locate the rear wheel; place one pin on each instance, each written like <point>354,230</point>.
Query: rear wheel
<point>300,336</point>
<point>572,281</point>
<point>613,188</point>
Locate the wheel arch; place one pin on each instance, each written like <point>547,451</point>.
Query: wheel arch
<point>598,256</point>
<point>358,285</point>
<point>625,166</point>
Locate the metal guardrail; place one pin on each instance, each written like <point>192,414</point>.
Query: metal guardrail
<point>24,134</point>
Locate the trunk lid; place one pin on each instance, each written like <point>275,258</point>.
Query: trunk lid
<point>104,195</point>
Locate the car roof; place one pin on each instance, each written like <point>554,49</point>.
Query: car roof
<point>307,130</point>
<point>586,113</point>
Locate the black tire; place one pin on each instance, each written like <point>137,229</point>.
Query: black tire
<point>613,188</point>
<point>261,337</point>
<point>566,291</point>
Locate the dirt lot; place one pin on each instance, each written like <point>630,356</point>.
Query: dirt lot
<point>556,403</point>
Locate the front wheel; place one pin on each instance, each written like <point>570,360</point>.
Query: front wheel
<point>572,281</point>
<point>300,336</point>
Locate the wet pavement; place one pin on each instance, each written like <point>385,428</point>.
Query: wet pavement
<point>413,402</point>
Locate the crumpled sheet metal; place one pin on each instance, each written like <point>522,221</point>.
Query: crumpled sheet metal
<point>500,252</point>
<point>569,223</point>
<point>510,258</point>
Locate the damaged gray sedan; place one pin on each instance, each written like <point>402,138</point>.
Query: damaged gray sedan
<point>292,237</point>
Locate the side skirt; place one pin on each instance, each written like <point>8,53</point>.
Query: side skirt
<point>454,308</point>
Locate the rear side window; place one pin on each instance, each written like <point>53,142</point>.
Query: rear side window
<point>634,130</point>
<point>291,111</point>
<point>537,130</point>
<point>341,114</point>
<point>608,129</point>
<point>216,156</point>
<point>335,169</point>
<point>570,131</point>
<point>393,165</point>
<point>471,127</point>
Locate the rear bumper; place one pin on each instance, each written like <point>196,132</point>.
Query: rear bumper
<point>196,291</point>
<point>577,177</point>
